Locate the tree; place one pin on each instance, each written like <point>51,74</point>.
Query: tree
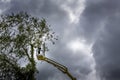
<point>21,38</point>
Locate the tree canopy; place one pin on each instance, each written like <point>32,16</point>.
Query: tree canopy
<point>21,37</point>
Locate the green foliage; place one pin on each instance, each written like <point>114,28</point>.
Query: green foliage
<point>9,69</point>
<point>20,36</point>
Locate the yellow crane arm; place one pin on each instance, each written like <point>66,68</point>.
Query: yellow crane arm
<point>61,67</point>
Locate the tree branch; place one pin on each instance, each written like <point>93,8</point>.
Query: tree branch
<point>27,54</point>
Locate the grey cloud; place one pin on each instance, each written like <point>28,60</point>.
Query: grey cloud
<point>106,47</point>
<point>4,5</point>
<point>106,51</point>
<point>96,13</point>
<point>103,14</point>
<point>41,8</point>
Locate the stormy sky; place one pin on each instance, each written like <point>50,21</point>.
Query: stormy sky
<point>89,36</point>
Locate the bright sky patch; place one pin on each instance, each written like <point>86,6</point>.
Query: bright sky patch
<point>74,14</point>
<point>79,45</point>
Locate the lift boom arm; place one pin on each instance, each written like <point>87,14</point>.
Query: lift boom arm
<point>61,67</point>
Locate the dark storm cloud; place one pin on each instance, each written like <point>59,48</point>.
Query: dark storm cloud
<point>107,52</point>
<point>45,7</point>
<point>101,25</point>
<point>95,14</point>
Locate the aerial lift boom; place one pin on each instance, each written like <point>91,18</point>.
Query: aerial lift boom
<point>61,67</point>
